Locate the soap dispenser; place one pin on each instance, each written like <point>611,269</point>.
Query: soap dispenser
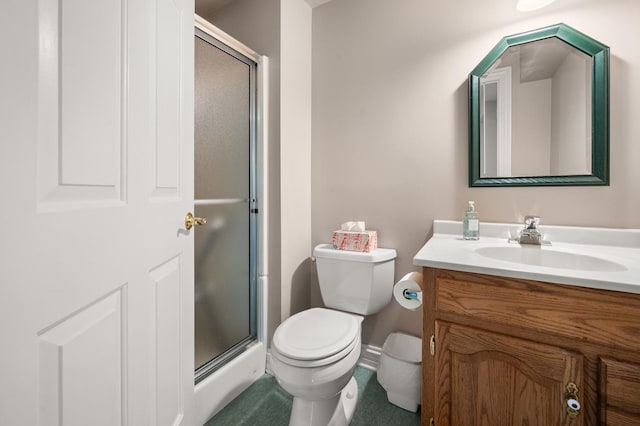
<point>471,223</point>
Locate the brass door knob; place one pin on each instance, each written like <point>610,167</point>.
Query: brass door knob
<point>190,221</point>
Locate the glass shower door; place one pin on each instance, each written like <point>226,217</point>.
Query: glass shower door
<point>225,247</point>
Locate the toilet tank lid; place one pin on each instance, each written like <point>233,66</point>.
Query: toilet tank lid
<point>378,255</point>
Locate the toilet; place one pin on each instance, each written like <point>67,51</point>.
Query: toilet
<point>314,352</point>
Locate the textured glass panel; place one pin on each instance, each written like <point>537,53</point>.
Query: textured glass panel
<point>222,174</point>
<point>222,124</point>
<point>222,279</point>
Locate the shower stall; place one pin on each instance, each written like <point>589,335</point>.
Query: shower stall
<point>229,272</point>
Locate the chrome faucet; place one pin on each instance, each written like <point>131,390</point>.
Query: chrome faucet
<point>530,234</point>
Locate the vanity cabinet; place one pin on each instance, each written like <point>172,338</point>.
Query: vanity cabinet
<point>505,351</point>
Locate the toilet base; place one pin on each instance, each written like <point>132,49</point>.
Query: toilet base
<point>336,411</point>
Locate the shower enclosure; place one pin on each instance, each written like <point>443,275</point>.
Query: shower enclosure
<point>225,194</point>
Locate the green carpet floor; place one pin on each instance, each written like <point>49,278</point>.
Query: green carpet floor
<point>266,403</point>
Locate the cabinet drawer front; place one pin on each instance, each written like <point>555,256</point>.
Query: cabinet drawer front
<point>597,316</point>
<point>620,389</point>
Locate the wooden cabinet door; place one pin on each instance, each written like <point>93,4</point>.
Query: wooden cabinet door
<point>619,393</point>
<point>484,378</point>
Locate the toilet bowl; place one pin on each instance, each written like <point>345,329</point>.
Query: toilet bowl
<point>314,352</point>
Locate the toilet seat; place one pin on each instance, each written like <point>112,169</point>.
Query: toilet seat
<point>316,337</point>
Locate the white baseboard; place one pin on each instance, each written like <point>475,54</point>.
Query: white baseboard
<point>369,358</point>
<point>268,368</point>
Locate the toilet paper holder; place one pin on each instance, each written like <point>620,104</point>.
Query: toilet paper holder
<point>409,294</point>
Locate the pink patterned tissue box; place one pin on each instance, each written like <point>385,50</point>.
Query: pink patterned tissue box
<point>355,241</point>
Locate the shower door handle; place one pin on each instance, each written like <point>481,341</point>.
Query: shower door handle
<point>190,221</point>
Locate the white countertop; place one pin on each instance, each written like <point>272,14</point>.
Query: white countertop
<point>447,250</point>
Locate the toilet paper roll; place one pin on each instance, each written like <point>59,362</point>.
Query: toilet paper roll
<point>409,283</point>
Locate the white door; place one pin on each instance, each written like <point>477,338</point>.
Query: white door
<point>96,171</point>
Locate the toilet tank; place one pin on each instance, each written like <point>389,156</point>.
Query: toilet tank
<point>356,282</point>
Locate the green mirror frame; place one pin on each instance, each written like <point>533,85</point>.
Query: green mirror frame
<point>599,107</point>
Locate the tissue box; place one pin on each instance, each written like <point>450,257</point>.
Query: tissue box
<point>355,241</point>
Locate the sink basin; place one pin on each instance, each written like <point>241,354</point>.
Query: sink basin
<point>550,258</point>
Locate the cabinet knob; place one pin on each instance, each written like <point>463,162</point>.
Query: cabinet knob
<point>573,405</point>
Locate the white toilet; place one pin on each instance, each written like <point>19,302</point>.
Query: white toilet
<point>314,352</point>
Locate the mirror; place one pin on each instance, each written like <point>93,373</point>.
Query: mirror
<point>539,111</point>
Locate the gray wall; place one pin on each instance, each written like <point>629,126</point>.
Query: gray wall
<point>389,123</point>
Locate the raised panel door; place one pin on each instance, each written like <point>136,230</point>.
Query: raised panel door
<point>485,378</point>
<point>619,392</point>
<point>96,165</point>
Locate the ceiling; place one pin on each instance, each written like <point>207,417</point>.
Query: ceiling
<point>208,7</point>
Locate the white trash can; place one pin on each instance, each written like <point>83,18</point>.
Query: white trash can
<point>400,370</point>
